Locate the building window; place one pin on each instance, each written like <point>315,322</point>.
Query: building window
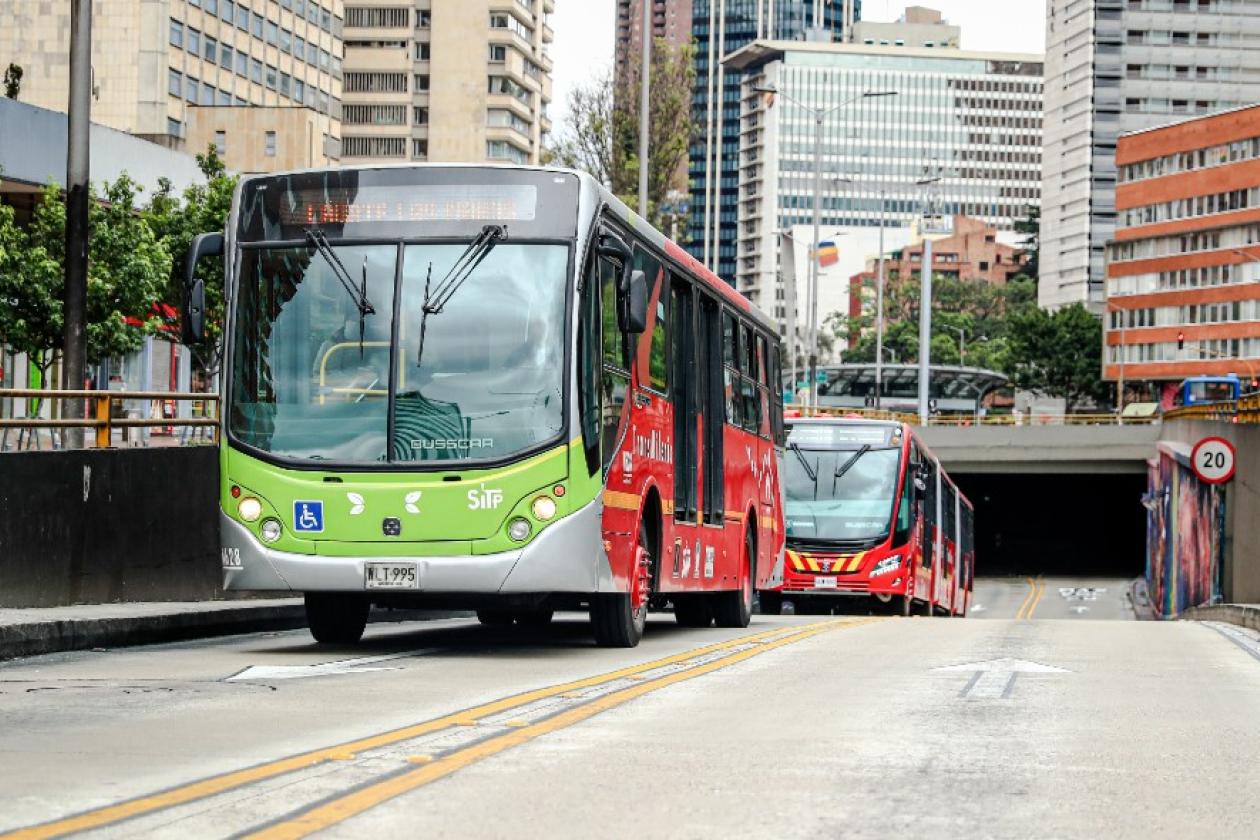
<point>269,144</point>
<point>220,143</point>
<point>271,77</point>
<point>255,71</point>
<point>376,82</point>
<point>212,50</point>
<point>193,41</point>
<point>177,34</point>
<point>502,150</point>
<point>498,52</point>
<point>378,18</point>
<point>207,93</point>
<point>419,116</point>
<point>374,114</point>
<point>191,87</point>
<point>174,82</point>
<point>419,149</point>
<point>374,147</point>
<point>174,127</point>
<point>242,64</point>
<point>422,51</point>
<point>422,81</point>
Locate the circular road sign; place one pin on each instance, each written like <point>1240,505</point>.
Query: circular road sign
<point>1213,460</point>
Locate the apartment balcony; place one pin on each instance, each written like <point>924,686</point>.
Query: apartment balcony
<point>376,59</point>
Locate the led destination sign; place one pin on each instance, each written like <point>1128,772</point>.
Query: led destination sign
<point>411,203</point>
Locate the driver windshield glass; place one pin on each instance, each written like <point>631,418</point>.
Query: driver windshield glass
<point>855,506</point>
<point>310,374</point>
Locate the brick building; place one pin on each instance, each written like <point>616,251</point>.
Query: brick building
<point>971,252</point>
<point>1182,270</point>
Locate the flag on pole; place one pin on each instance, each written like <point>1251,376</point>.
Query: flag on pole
<point>828,254</point>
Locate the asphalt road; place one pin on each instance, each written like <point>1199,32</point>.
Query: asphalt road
<point>799,726</point>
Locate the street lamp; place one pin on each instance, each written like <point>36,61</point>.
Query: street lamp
<point>925,309</point>
<point>892,352</point>
<point>819,115</point>
<point>962,343</point>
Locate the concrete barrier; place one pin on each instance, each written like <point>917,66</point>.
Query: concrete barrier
<point>98,526</point>
<point>1244,615</point>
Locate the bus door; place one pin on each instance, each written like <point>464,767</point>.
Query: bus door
<point>949,546</point>
<point>765,472</point>
<point>713,412</point>
<point>925,573</point>
<point>685,396</point>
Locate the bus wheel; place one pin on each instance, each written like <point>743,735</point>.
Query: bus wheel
<point>619,619</point>
<point>692,611</point>
<point>494,618</point>
<point>336,617</point>
<point>734,609</point>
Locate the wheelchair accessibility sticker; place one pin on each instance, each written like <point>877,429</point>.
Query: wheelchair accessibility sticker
<point>308,517</point>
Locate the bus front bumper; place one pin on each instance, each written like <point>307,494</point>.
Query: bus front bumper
<point>567,556</point>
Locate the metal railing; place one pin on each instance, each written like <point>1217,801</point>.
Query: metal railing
<point>104,415</point>
<point>1242,410</point>
<point>1013,419</point>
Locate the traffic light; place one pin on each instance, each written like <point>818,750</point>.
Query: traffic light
<point>1181,340</point>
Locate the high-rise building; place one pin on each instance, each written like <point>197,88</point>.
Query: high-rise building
<point>958,134</point>
<point>1182,270</point>
<point>1114,66</point>
<point>160,68</point>
<point>671,20</point>
<point>918,27</point>
<point>465,81</point>
<point>720,27</point>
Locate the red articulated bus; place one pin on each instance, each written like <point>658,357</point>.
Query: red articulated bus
<point>692,421</point>
<point>871,513</point>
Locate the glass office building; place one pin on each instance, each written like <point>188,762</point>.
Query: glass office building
<point>720,27</point>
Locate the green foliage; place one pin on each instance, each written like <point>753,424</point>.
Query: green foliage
<point>603,135</point>
<point>1059,354</point>
<point>175,221</point>
<point>127,267</point>
<point>1030,229</point>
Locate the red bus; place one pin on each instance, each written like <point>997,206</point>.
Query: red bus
<point>690,424</point>
<point>870,512</point>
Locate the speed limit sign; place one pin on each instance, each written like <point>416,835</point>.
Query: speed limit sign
<point>1213,460</point>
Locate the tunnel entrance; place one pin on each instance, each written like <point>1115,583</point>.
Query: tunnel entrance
<point>1071,525</point>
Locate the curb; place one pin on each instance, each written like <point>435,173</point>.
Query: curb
<point>41,637</point>
<point>1244,615</point>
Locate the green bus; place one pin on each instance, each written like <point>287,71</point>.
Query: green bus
<point>444,386</point>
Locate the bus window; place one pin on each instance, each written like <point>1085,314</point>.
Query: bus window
<point>764,400</point>
<point>712,386</point>
<point>656,362</point>
<point>590,366</point>
<point>776,394</point>
<point>905,508</point>
<point>616,379</point>
<point>749,397</point>
<point>929,512</point>
<point>686,399</point>
<point>733,397</point>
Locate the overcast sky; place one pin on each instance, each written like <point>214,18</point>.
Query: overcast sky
<point>584,33</point>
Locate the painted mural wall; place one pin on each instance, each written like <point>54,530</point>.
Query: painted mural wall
<point>1185,538</point>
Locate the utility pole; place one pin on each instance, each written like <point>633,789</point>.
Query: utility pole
<point>879,304</point>
<point>74,352</point>
<point>813,262</point>
<point>644,91</point>
<point>925,330</point>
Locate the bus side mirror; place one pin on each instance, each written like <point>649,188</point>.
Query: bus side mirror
<point>634,304</point>
<point>194,315</point>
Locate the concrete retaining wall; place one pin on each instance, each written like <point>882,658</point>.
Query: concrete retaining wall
<point>1081,450</point>
<point>98,526</point>
<point>1241,584</point>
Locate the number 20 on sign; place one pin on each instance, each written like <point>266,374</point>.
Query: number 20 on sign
<point>1213,460</point>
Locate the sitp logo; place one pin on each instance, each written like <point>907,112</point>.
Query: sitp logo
<point>483,499</point>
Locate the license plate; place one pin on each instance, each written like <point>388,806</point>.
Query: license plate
<point>824,583</point>
<point>390,576</point>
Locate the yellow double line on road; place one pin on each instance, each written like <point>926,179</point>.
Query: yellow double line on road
<point>1036,589</point>
<point>331,812</point>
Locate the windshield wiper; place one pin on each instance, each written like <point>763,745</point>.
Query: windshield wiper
<point>809,471</point>
<point>844,468</point>
<point>461,270</point>
<point>319,241</point>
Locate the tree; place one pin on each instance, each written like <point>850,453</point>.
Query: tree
<point>127,267</point>
<point>12,81</point>
<point>603,133</point>
<point>175,220</point>
<point>1030,229</point>
<point>1059,354</point>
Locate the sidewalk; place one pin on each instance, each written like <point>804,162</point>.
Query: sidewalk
<point>1244,615</point>
<point>29,632</point>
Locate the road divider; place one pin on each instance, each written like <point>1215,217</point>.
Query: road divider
<point>449,742</point>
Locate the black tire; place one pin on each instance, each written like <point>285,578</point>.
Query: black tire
<point>734,609</point>
<point>336,618</point>
<point>494,618</point>
<point>771,603</point>
<point>614,619</point>
<point>692,611</point>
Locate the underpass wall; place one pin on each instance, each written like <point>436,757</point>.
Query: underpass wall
<point>1240,522</point>
<point>106,525</point>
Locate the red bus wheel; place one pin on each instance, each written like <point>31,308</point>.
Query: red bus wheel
<point>734,609</point>
<point>619,619</point>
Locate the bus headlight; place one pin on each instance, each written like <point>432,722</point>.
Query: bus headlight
<point>543,508</point>
<point>518,528</point>
<point>250,509</point>
<point>887,566</point>
<point>270,529</point>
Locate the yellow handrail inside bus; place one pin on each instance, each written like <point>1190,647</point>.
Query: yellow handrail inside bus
<point>323,367</point>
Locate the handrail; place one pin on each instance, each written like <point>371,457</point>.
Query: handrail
<point>1014,419</point>
<point>102,420</point>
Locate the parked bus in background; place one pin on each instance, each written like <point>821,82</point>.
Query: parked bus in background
<point>871,512</point>
<point>1195,390</point>
<point>491,388</point>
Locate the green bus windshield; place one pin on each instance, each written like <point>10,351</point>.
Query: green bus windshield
<point>310,366</point>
